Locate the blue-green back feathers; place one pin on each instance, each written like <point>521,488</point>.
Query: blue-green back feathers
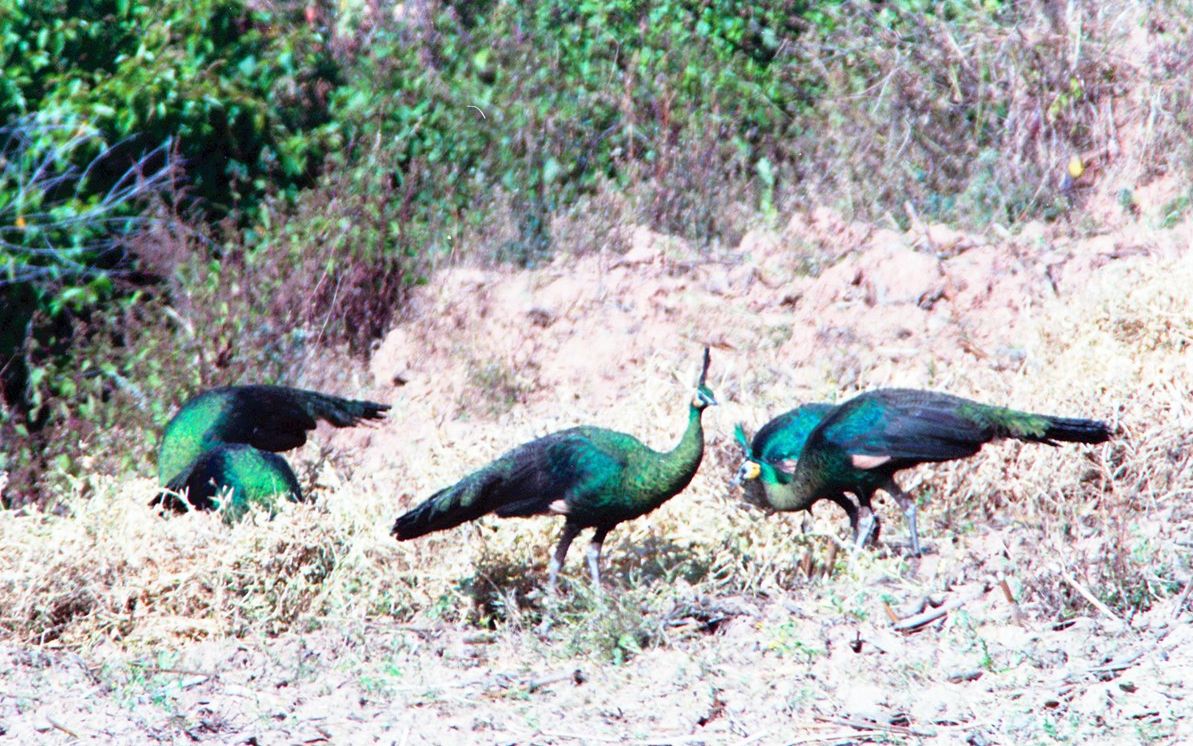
<point>907,425</point>
<point>231,478</point>
<point>223,440</point>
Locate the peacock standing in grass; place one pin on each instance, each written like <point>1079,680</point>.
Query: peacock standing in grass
<point>781,441</point>
<point>859,446</point>
<point>219,449</point>
<point>593,477</point>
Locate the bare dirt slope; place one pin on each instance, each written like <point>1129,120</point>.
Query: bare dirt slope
<point>1063,574</point>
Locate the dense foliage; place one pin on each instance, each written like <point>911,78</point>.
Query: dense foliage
<point>104,108</point>
<point>272,177</point>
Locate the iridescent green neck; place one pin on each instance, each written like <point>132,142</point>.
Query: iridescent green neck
<point>676,468</point>
<point>783,490</point>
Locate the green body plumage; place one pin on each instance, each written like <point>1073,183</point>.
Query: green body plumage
<point>222,442</point>
<point>776,448</point>
<point>194,430</point>
<point>233,477</point>
<point>859,445</point>
<point>783,438</point>
<point>595,478</point>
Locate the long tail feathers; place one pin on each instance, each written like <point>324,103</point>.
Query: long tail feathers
<point>445,509</point>
<point>342,412</point>
<point>1076,430</point>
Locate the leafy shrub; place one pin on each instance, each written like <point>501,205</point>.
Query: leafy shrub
<point>532,107</point>
<point>104,103</point>
<point>239,90</point>
<point>101,97</point>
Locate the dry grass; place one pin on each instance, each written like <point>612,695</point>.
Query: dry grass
<point>703,593</point>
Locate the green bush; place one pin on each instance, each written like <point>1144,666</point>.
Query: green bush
<point>100,98</point>
<point>543,103</point>
<point>104,105</point>
<point>336,165</point>
<point>239,91</point>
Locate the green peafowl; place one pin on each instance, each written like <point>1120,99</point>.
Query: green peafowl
<point>232,476</point>
<point>860,445</point>
<point>221,444</point>
<point>593,477</point>
<point>781,441</point>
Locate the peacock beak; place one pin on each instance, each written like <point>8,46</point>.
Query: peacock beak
<point>748,470</point>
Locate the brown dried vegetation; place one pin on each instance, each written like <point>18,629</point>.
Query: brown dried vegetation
<point>721,617</point>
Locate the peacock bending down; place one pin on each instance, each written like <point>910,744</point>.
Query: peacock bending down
<point>593,477</point>
<point>858,447</point>
<point>218,450</point>
<point>781,441</point>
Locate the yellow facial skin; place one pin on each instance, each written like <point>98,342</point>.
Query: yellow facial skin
<point>747,471</point>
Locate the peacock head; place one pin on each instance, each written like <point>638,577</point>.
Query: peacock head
<point>749,470</point>
<point>751,476</point>
<point>704,397</point>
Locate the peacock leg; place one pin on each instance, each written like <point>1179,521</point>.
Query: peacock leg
<point>907,504</point>
<point>570,532</point>
<point>865,526</point>
<point>849,508</point>
<point>594,556</point>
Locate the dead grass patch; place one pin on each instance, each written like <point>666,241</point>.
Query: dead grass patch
<point>1090,541</point>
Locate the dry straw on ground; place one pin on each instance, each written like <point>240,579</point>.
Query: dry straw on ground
<point>708,603</point>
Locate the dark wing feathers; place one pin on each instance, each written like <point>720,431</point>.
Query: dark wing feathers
<point>904,425</point>
<point>524,481</point>
<point>543,473</point>
<point>912,425</point>
<point>277,418</point>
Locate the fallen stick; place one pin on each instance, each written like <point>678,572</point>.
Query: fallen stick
<point>575,675</point>
<point>757,737</point>
<point>902,730</point>
<point>178,671</point>
<point>1103,608</point>
<point>1006,591</point>
<point>806,565</point>
<point>581,737</point>
<point>848,735</point>
<point>1180,604</point>
<point>969,674</point>
<point>1016,612</point>
<point>831,560</point>
<point>63,728</point>
<point>915,621</point>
